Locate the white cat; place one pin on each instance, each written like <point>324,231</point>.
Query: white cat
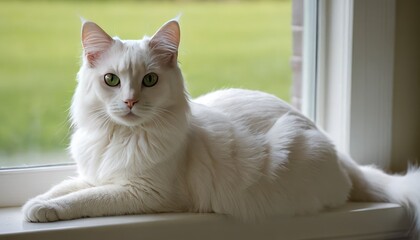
<point>143,146</point>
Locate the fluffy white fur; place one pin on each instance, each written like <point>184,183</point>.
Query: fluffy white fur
<point>238,152</point>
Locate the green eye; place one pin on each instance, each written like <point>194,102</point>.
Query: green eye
<point>111,80</point>
<point>150,80</point>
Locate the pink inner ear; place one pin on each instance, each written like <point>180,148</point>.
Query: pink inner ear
<point>164,44</point>
<point>92,57</point>
<point>95,41</point>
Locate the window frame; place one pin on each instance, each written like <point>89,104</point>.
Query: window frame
<point>337,103</point>
<point>354,77</point>
<point>19,185</point>
<point>360,221</point>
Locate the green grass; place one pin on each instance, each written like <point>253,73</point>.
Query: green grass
<point>223,44</point>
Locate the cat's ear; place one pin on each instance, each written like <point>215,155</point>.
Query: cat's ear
<point>164,44</point>
<point>95,41</point>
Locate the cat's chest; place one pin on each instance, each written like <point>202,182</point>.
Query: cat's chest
<point>101,156</point>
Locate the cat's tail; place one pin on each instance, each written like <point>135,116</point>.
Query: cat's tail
<point>372,184</point>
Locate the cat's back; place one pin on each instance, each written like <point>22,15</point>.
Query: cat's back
<point>255,109</point>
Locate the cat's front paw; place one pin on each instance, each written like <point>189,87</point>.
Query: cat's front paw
<point>39,210</point>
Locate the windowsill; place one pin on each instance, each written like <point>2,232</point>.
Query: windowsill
<point>352,221</point>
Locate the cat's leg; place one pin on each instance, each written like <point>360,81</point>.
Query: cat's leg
<point>61,189</point>
<point>93,202</point>
<point>65,187</point>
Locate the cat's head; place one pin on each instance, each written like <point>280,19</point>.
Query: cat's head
<point>128,82</point>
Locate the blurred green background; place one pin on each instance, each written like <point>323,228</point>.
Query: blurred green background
<point>223,44</point>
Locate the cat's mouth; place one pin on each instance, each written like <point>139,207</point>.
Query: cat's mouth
<point>129,119</point>
<point>130,116</point>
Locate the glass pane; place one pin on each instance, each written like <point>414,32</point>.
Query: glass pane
<point>224,44</point>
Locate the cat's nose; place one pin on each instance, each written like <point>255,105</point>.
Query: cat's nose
<point>130,103</point>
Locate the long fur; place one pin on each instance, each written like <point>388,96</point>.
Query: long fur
<point>238,152</point>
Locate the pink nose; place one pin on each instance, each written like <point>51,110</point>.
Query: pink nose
<point>130,103</point>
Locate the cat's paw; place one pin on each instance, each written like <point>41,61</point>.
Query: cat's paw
<point>40,210</point>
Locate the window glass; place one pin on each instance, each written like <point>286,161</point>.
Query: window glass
<point>223,44</point>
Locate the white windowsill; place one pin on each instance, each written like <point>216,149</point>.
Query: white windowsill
<point>352,221</point>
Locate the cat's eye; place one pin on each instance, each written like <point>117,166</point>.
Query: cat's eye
<point>111,80</point>
<point>150,79</point>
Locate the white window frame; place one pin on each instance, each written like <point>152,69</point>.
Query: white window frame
<point>354,221</point>
<point>354,77</point>
<point>338,103</point>
<point>19,185</point>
